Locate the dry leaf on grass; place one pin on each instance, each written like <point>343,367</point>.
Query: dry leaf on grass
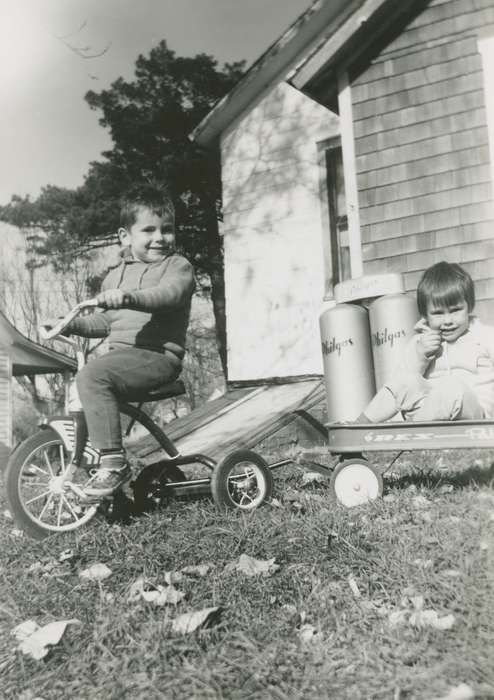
<point>252,567</point>
<point>430,618</point>
<point>172,577</point>
<point>96,572</point>
<point>24,630</point>
<point>156,594</point>
<point>418,617</point>
<point>353,586</point>
<point>51,569</point>
<point>197,570</point>
<point>459,692</point>
<point>420,502</point>
<point>35,641</point>
<point>424,563</point>
<point>398,617</point>
<point>308,635</point>
<point>452,573</point>
<point>389,498</point>
<point>67,555</point>
<point>486,496</point>
<point>191,621</point>
<point>313,478</point>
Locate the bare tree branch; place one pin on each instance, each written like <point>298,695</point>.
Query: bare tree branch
<point>81,51</point>
<point>66,36</point>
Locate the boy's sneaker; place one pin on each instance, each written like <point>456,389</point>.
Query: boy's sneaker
<point>112,473</point>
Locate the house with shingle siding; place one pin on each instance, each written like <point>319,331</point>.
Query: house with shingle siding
<point>360,143</point>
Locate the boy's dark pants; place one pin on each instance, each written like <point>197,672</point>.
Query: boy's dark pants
<point>115,377</point>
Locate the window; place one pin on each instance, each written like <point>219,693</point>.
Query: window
<point>333,192</point>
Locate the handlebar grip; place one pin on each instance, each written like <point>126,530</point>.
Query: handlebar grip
<point>57,329</point>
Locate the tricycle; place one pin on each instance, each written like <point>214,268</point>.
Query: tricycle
<point>46,473</point>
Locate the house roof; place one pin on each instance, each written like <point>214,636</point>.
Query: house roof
<point>29,358</point>
<point>329,34</point>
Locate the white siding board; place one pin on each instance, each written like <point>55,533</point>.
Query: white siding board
<point>274,267</point>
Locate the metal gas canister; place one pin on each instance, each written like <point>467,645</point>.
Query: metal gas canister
<point>347,360</point>
<point>392,318</point>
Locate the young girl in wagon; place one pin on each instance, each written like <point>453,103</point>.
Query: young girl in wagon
<point>447,371</point>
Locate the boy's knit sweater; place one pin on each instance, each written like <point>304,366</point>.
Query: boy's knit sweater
<point>157,313</point>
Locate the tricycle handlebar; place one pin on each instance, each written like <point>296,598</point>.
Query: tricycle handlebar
<point>58,328</point>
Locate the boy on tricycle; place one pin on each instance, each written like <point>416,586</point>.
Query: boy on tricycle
<point>147,300</point>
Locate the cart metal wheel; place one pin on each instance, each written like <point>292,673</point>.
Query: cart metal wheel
<point>355,482</point>
<point>242,480</point>
<point>42,487</point>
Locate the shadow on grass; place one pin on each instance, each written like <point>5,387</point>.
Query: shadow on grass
<point>471,476</point>
<point>150,497</point>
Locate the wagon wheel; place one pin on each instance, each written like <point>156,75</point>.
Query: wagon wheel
<point>355,482</point>
<point>242,480</point>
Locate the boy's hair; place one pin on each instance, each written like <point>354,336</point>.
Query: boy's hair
<point>445,284</point>
<point>158,200</point>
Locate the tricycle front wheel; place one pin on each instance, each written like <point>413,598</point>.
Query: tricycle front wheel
<point>242,480</point>
<point>38,483</point>
<point>355,482</point>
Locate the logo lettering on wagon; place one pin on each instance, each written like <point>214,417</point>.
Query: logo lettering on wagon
<point>480,433</point>
<point>383,437</point>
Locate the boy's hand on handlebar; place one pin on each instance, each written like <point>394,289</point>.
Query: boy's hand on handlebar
<point>430,342</point>
<point>112,299</point>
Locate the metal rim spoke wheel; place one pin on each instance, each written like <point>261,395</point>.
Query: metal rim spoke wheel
<point>42,487</point>
<point>355,482</point>
<point>242,480</point>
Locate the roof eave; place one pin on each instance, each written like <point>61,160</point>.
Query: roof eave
<point>338,50</point>
<point>273,65</point>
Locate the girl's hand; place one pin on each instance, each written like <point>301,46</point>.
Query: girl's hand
<point>430,343</point>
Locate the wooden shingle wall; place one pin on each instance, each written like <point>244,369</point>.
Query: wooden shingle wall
<point>422,148</point>
<point>274,267</point>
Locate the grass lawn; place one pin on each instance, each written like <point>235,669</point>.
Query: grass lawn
<point>344,616</point>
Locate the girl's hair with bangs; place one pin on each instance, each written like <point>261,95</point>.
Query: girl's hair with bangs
<point>445,284</point>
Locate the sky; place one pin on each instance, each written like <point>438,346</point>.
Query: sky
<point>48,134</point>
